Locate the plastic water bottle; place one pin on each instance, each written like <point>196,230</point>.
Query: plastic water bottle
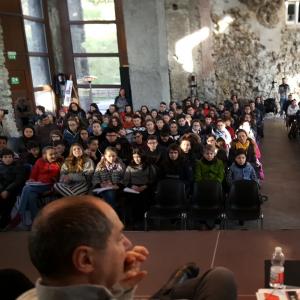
<point>277,269</point>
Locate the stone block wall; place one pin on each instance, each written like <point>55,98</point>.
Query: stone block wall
<point>256,48</point>
<point>5,93</point>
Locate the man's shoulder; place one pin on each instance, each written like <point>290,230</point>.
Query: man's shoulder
<point>29,295</point>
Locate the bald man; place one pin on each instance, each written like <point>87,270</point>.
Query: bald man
<point>78,246</point>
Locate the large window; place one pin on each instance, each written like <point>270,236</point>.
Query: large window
<point>35,32</point>
<point>93,28</point>
<point>293,12</point>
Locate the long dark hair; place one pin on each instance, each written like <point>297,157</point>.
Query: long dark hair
<point>142,154</point>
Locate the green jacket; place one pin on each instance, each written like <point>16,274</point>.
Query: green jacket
<point>209,171</point>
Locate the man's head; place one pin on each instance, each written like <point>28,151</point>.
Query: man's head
<point>92,247</point>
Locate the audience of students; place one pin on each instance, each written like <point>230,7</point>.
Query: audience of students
<point>88,151</point>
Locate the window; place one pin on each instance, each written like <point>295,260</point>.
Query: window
<point>292,12</point>
<point>93,28</point>
<point>35,32</point>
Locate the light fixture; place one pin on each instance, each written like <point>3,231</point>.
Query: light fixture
<point>89,79</point>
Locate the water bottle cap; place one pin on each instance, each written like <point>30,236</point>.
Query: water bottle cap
<point>278,249</point>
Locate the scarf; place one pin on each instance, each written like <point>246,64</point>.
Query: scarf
<point>245,146</point>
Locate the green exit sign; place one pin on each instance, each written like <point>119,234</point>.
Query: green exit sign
<point>12,55</point>
<point>15,80</point>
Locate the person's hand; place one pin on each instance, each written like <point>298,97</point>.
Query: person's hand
<point>65,179</point>
<point>135,187</point>
<point>4,194</point>
<point>105,184</point>
<point>132,267</point>
<point>87,152</point>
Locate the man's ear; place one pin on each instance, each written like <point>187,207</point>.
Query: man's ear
<point>83,259</point>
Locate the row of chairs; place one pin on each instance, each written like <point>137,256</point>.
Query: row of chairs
<point>208,203</point>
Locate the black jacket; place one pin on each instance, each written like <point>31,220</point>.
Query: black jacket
<point>12,177</point>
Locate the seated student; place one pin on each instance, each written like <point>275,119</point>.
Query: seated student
<point>12,178</point>
<point>164,139</point>
<point>196,128</point>
<point>174,132</point>
<point>32,155</point>
<point>183,126</point>
<point>209,167</point>
<point>83,137</point>
<point>154,152</point>
<point>109,174</point>
<point>139,176</point>
<point>44,174</point>
<point>71,133</point>
<point>221,153</point>
<point>128,121</point>
<point>138,141</point>
<point>95,259</point>
<point>92,150</point>
<point>228,122</point>
<point>75,173</point>
<point>160,125</point>
<point>61,150</point>
<point>61,121</point>
<point>121,144</point>
<point>150,128</point>
<point>222,132</point>
<point>97,131</point>
<point>3,145</point>
<point>137,121</point>
<point>43,130</point>
<point>115,123</point>
<point>187,153</point>
<point>54,136</point>
<point>173,166</point>
<point>241,169</point>
<point>243,142</point>
<point>28,135</point>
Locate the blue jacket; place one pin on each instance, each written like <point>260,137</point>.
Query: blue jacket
<point>246,172</point>
<point>70,137</point>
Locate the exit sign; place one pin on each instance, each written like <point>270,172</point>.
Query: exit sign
<point>12,55</point>
<point>15,80</point>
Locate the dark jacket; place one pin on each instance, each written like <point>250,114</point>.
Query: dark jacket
<point>12,177</point>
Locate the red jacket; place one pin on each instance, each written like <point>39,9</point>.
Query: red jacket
<point>45,172</point>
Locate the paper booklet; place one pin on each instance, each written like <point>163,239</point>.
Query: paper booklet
<point>129,190</point>
<point>278,294</point>
<point>100,190</point>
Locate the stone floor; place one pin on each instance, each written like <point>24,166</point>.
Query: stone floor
<point>281,160</point>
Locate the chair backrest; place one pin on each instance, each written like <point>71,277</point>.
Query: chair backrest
<point>207,194</point>
<point>170,193</point>
<point>244,194</point>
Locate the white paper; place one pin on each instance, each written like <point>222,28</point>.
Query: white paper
<point>264,294</point>
<point>100,190</point>
<point>129,190</point>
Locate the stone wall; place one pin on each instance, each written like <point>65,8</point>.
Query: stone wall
<point>5,93</point>
<point>256,48</point>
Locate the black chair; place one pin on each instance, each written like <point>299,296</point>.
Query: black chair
<point>170,199</point>
<point>244,202</point>
<point>207,202</point>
